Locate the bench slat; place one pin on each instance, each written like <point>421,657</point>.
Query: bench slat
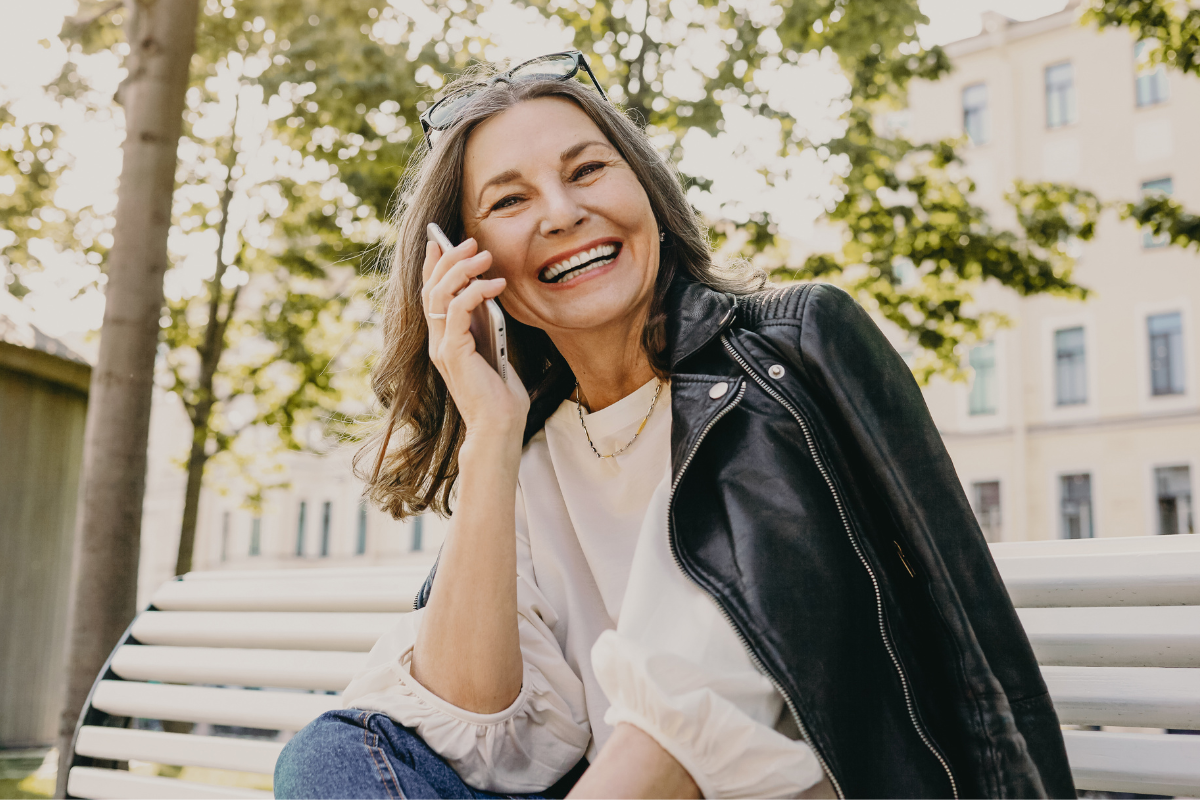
<point>1108,544</point>
<point>1143,763</point>
<point>349,593</point>
<point>1132,697</point>
<point>288,711</point>
<point>1103,579</point>
<point>275,630</point>
<point>1157,636</point>
<point>292,669</point>
<point>179,749</point>
<point>320,573</point>
<point>113,784</point>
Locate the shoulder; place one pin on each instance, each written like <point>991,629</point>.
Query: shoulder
<point>793,305</point>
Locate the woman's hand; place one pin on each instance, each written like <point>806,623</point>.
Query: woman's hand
<point>486,403</point>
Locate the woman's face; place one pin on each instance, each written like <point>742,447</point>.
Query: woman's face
<point>567,222</point>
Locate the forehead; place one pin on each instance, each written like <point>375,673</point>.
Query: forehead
<point>532,133</point>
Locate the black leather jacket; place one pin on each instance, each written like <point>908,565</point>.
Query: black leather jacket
<point>813,499</point>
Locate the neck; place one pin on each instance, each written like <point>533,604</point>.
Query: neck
<point>608,364</point>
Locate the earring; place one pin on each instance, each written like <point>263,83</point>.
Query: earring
<point>662,236</point>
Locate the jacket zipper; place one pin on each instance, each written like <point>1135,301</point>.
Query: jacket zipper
<point>729,618</point>
<point>808,437</point>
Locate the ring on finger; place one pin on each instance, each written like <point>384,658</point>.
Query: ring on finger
<point>432,315</point>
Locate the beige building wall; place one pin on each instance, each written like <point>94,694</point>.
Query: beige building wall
<point>1123,431</point>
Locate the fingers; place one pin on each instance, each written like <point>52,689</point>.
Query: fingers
<point>458,312</point>
<point>456,280</point>
<point>437,262</point>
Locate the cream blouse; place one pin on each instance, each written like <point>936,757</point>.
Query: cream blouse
<point>611,631</point>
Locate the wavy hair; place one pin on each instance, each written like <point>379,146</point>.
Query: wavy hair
<point>415,443</point>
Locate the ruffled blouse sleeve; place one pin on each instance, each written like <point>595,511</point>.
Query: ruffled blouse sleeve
<point>526,747</point>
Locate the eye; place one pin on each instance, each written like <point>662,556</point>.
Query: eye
<point>505,202</point>
<point>587,169</point>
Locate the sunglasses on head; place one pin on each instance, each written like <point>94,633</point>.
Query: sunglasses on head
<point>555,66</point>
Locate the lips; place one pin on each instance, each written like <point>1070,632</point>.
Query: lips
<point>580,263</point>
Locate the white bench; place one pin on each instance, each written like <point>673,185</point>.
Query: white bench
<point>1115,624</point>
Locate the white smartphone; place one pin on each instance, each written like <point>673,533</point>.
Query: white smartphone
<point>487,320</point>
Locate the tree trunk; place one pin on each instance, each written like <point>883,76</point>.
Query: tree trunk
<point>162,38</point>
<point>191,498</point>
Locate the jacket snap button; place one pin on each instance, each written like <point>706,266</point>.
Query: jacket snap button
<point>718,390</point>
<point>775,371</point>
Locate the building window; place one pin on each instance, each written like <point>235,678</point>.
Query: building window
<point>360,546</point>
<point>1070,367</point>
<point>256,536</point>
<point>224,535</point>
<point>982,399</point>
<point>1151,80</point>
<point>986,497</point>
<point>1162,187</point>
<point>1060,95</point>
<point>1174,488</point>
<point>417,530</point>
<point>976,124</point>
<point>1076,504</point>
<point>1166,353</point>
<point>300,528</point>
<point>326,513</point>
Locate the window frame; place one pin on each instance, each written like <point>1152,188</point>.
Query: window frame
<point>1072,96</point>
<point>301,528</point>
<point>1059,527</point>
<point>1158,75</point>
<point>984,111</point>
<point>1052,411</point>
<point>995,381</point>
<point>985,422</point>
<point>973,496</point>
<point>1148,402</point>
<point>1149,240</point>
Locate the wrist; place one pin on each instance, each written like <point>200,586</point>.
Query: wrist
<point>491,442</point>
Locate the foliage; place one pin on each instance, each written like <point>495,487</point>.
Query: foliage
<point>358,74</point>
<point>345,81</point>
<point>1171,31</point>
<point>1164,217</point>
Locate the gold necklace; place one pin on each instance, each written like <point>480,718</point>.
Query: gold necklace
<point>579,408</point>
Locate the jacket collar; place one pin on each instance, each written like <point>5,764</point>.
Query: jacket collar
<point>696,314</point>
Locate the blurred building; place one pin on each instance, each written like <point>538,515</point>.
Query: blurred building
<point>1083,418</point>
<point>317,519</point>
<point>43,406</point>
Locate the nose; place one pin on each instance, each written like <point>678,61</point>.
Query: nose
<point>561,212</point>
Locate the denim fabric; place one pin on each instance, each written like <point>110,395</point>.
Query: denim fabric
<point>364,754</point>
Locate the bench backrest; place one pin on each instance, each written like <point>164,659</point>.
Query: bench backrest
<point>1115,624</point>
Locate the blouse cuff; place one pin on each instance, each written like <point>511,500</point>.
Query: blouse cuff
<point>616,716</point>
<point>522,749</point>
<point>681,706</point>
<point>405,677</point>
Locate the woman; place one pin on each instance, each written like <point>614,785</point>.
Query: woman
<point>743,562</point>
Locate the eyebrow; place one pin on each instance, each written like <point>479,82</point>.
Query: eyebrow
<point>510,175</point>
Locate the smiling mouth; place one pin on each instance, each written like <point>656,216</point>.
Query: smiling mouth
<point>580,263</point>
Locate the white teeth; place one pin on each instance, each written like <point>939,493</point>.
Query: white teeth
<point>552,272</point>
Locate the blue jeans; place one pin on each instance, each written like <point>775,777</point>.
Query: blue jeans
<point>364,754</point>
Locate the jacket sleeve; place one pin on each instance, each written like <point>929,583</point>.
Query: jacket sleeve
<point>875,406</point>
<point>526,747</point>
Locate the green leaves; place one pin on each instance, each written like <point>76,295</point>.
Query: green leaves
<point>1172,29</point>
<point>1164,217</point>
